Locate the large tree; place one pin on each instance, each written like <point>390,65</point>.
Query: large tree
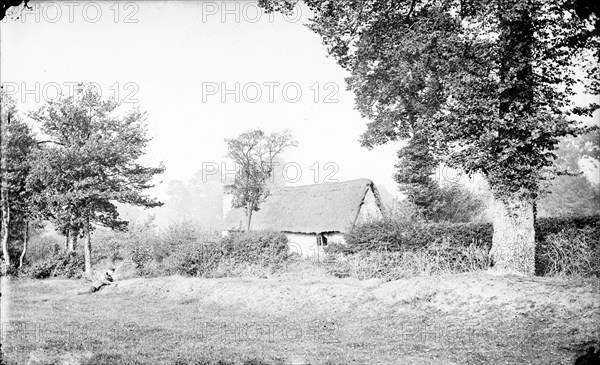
<point>16,145</point>
<point>90,161</point>
<point>254,154</point>
<point>437,200</point>
<point>489,80</point>
<point>415,167</point>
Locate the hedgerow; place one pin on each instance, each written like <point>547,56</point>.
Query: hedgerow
<point>564,245</point>
<point>58,265</point>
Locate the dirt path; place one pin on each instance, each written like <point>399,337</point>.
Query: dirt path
<point>474,318</point>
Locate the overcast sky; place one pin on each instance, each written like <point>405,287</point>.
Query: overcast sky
<point>186,63</point>
<point>204,71</point>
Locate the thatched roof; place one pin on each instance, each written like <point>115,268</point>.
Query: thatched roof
<point>328,207</point>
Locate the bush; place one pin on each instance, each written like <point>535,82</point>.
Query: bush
<point>550,226</point>
<point>138,243</point>
<point>572,251</point>
<point>232,255</point>
<point>40,248</point>
<point>435,259</point>
<point>194,259</point>
<point>388,235</point>
<point>571,240</point>
<point>187,250</point>
<point>256,247</point>
<point>8,270</point>
<point>65,266</point>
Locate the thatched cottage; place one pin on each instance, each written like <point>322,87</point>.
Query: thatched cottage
<point>312,216</point>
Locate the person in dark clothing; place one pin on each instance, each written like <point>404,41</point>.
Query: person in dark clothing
<point>106,279</point>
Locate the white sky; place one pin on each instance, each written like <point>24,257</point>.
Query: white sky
<point>171,55</point>
<point>171,52</point>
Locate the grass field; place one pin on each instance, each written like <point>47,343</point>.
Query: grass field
<point>304,317</point>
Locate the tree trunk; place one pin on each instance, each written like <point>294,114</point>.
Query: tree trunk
<point>5,222</point>
<point>249,214</point>
<point>87,248</point>
<point>513,243</point>
<point>25,240</point>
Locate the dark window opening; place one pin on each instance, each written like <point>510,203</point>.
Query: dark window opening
<point>321,240</point>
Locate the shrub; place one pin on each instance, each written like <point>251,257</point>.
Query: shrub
<point>42,247</point>
<point>572,240</point>
<point>201,253</point>
<point>436,258</point>
<point>388,235</point>
<point>59,265</point>
<point>549,226</point>
<point>568,245</point>
<point>8,270</point>
<point>109,245</point>
<point>572,251</point>
<point>194,259</point>
<point>256,247</point>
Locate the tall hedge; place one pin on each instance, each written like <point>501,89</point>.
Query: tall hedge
<point>389,235</point>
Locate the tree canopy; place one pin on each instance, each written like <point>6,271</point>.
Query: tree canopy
<point>254,154</point>
<point>17,143</point>
<point>90,161</point>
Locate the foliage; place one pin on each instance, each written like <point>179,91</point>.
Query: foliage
<point>572,251</point>
<point>416,164</point>
<point>436,202</point>
<point>40,247</point>
<point>392,235</point>
<point>401,210</point>
<point>16,145</point>
<point>492,79</point>
<point>11,3</point>
<point>437,258</point>
<point>254,153</point>
<point>137,244</point>
<point>89,162</point>
<point>8,269</point>
<point>555,225</point>
<point>552,236</point>
<point>57,265</point>
<point>224,258</point>
<point>186,248</point>
<point>456,204</point>
<point>258,247</point>
<point>572,193</point>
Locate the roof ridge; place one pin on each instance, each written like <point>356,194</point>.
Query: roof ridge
<point>324,184</point>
